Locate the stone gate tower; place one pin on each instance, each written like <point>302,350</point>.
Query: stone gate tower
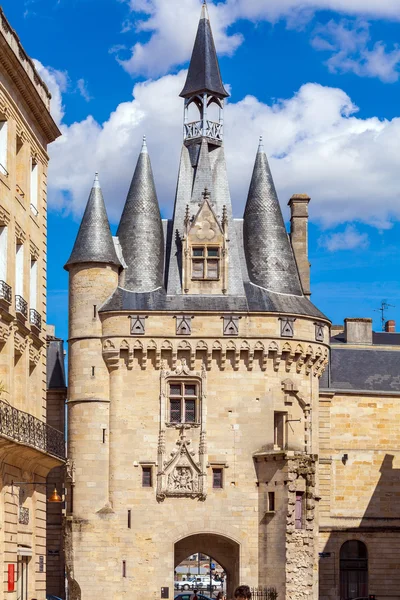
<point>194,363</point>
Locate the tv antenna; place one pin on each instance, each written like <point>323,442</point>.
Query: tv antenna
<point>383,308</point>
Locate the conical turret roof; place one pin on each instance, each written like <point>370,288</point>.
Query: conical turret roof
<point>204,74</point>
<point>94,241</point>
<point>140,230</point>
<point>269,256</point>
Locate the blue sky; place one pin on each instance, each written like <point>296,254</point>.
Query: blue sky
<point>319,79</point>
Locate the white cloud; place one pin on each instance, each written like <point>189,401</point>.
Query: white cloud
<point>349,43</point>
<point>315,141</point>
<point>57,82</point>
<point>349,239</point>
<point>167,48</point>
<point>81,86</point>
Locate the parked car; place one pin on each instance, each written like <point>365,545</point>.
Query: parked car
<point>202,582</point>
<point>189,596</point>
<point>183,585</point>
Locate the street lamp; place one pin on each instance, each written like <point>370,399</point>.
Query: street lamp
<point>55,497</point>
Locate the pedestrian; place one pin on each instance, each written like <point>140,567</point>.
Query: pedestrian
<point>242,592</point>
<point>220,596</point>
<point>194,596</point>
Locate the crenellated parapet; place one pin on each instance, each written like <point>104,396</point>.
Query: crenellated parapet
<point>263,354</point>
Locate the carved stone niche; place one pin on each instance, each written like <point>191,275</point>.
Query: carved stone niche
<point>182,476</point>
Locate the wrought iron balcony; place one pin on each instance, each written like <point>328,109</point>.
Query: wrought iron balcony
<point>21,306</point>
<point>212,130</point>
<point>23,518</point>
<point>26,429</point>
<point>35,318</point>
<point>5,292</point>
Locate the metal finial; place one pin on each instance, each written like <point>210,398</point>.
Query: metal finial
<point>206,194</point>
<point>204,10</point>
<point>261,144</point>
<point>96,182</point>
<point>144,146</point>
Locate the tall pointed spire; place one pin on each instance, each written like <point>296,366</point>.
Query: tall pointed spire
<point>94,241</point>
<point>140,230</point>
<point>269,255</point>
<point>204,74</point>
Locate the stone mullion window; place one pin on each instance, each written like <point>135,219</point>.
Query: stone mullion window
<point>206,262</point>
<point>183,402</point>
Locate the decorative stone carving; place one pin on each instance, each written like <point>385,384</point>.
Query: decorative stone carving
<point>111,355</point>
<point>4,217</point>
<point>19,343</point>
<point>231,325</point>
<point>34,250</point>
<point>138,325</point>
<point>181,476</point>
<point>5,331</point>
<point>287,326</point>
<point>34,355</point>
<point>319,332</point>
<point>20,233</point>
<point>184,325</point>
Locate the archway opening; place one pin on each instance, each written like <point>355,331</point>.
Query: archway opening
<point>353,570</point>
<point>224,551</point>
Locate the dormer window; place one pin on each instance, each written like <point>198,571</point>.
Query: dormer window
<point>205,262</point>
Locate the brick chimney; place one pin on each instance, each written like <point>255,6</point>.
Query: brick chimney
<point>390,326</point>
<point>358,331</point>
<point>299,237</point>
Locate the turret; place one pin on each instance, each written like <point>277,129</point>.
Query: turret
<point>140,231</point>
<point>93,275</point>
<point>204,86</point>
<point>269,256</point>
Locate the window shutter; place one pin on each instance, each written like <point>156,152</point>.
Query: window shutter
<point>3,254</point>
<point>212,269</point>
<point>198,269</point>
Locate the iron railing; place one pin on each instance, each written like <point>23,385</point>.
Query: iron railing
<point>34,210</point>
<point>5,292</point>
<point>212,130</point>
<point>3,170</point>
<point>21,306</point>
<point>23,518</point>
<point>35,318</point>
<point>26,429</point>
<point>264,593</point>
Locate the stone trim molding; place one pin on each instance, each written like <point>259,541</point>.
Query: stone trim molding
<point>271,354</point>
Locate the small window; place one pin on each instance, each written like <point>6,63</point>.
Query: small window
<point>34,186</point>
<point>3,254</point>
<point>217,478</point>
<point>147,477</point>
<point>271,501</point>
<point>183,402</point>
<point>299,510</point>
<point>205,262</point>
<point>33,284</point>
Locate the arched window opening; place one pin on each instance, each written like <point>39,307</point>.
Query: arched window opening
<point>353,570</point>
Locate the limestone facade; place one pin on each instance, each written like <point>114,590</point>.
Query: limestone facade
<point>28,448</point>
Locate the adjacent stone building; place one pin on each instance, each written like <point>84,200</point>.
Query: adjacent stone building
<point>29,447</point>
<point>194,363</point>
<point>359,464</point>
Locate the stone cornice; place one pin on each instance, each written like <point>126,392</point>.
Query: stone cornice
<point>22,72</point>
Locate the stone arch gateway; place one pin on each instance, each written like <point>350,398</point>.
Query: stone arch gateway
<point>224,550</point>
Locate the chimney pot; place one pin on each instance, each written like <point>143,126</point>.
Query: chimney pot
<point>390,326</point>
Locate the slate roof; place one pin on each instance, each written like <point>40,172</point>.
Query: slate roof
<point>204,74</point>
<point>55,365</point>
<point>363,369</point>
<point>269,255</point>
<point>253,298</point>
<point>94,241</point>
<point>140,231</point>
